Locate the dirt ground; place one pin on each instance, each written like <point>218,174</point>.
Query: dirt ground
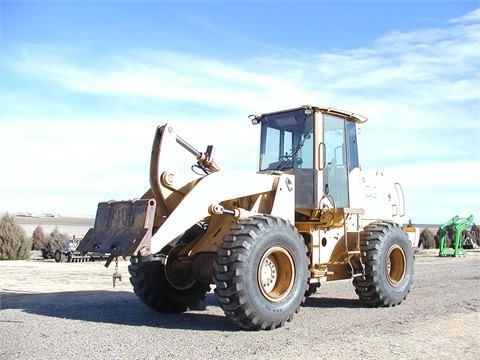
<point>53,310</point>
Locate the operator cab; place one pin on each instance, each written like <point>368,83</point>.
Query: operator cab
<point>317,145</point>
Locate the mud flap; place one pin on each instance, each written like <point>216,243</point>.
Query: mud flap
<point>122,228</point>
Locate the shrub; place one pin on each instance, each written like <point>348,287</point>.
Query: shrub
<point>451,232</point>
<point>427,239</point>
<point>55,240</point>
<point>475,233</point>
<point>448,238</point>
<point>38,238</point>
<point>14,243</point>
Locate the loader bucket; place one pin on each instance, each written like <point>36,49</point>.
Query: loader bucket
<point>122,228</point>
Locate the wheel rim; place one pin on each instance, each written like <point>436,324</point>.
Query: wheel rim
<point>396,264</point>
<point>177,273</point>
<point>276,274</point>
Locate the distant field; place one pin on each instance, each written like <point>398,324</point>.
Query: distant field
<point>77,226</point>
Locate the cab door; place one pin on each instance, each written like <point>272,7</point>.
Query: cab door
<point>340,157</point>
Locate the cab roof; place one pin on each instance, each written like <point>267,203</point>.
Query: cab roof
<point>326,110</point>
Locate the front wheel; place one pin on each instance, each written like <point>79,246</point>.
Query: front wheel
<point>388,261</point>
<point>261,273</point>
<point>166,285</point>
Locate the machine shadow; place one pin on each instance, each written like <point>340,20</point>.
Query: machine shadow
<point>331,303</point>
<point>119,307</point>
<point>124,308</point>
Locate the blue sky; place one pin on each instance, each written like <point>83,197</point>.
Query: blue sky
<point>84,85</point>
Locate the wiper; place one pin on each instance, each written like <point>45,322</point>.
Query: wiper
<point>289,159</point>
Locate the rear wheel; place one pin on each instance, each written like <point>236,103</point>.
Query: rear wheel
<point>59,256</point>
<point>261,273</point>
<point>388,259</point>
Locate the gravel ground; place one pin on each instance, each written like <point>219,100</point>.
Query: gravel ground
<point>71,310</point>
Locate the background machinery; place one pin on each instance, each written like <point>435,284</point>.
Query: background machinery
<point>266,240</point>
<point>457,247</point>
<point>68,252</point>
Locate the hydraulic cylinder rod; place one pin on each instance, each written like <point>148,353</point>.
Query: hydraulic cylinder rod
<point>188,147</point>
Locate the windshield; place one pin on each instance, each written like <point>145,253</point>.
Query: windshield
<point>287,140</point>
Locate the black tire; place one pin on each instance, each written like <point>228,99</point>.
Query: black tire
<point>59,256</point>
<point>261,273</point>
<point>388,260</point>
<point>162,286</point>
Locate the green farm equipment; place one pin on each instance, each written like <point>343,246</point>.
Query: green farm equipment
<point>459,225</point>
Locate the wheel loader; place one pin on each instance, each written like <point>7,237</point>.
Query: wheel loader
<point>266,240</point>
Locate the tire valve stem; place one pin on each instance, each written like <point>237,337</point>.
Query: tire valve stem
<point>116,275</point>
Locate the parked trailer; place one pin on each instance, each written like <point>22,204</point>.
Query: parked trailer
<point>70,253</point>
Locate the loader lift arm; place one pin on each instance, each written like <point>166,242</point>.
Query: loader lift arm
<point>144,226</point>
<point>126,227</point>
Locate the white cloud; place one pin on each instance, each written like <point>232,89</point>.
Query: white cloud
<point>472,16</point>
<point>439,190</point>
<point>419,89</point>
